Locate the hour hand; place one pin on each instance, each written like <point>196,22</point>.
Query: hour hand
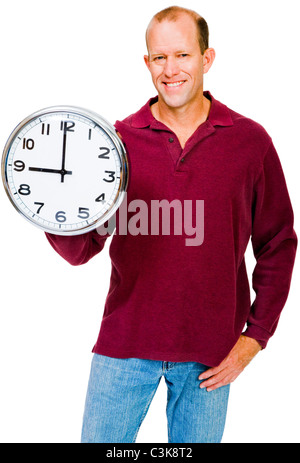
<point>51,171</point>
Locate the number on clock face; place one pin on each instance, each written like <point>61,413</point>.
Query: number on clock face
<point>64,171</point>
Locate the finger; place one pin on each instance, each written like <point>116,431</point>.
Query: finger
<point>224,382</point>
<point>210,372</point>
<point>214,379</point>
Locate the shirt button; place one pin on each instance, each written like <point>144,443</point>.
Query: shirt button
<point>182,160</point>
<point>171,140</point>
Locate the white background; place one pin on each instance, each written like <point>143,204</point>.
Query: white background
<point>90,53</point>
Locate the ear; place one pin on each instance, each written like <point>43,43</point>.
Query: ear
<point>208,59</point>
<point>146,59</point>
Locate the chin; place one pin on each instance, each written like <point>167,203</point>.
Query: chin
<point>173,102</point>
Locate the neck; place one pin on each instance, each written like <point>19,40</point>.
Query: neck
<point>189,116</point>
<point>182,121</point>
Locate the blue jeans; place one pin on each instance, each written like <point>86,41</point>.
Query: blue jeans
<point>120,392</point>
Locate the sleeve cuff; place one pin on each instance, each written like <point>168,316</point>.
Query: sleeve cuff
<point>261,335</point>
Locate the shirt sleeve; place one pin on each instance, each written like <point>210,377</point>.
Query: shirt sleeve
<point>78,249</point>
<point>274,243</point>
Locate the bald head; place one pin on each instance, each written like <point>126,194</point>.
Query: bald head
<point>173,13</point>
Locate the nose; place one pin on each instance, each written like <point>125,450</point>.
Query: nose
<point>171,67</point>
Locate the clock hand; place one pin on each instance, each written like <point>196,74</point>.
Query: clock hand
<point>63,171</point>
<point>50,171</point>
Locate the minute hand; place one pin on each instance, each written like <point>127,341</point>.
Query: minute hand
<point>63,171</point>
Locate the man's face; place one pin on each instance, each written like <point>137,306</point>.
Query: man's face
<point>175,61</point>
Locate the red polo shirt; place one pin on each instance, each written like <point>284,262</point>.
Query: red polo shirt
<point>172,302</point>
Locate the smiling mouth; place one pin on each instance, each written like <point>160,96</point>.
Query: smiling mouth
<point>174,84</point>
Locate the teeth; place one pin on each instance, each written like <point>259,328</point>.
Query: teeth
<point>175,84</point>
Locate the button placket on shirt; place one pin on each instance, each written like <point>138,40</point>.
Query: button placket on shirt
<point>178,153</point>
<point>174,149</point>
<point>171,140</point>
<point>204,131</point>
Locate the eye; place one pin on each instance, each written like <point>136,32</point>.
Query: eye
<point>159,58</point>
<point>183,55</point>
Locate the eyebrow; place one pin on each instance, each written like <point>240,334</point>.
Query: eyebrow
<point>162,53</point>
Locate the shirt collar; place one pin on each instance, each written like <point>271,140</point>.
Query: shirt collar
<point>218,115</point>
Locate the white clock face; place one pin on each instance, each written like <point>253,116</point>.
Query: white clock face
<point>65,170</point>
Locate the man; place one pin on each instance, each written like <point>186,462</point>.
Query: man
<point>175,310</point>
